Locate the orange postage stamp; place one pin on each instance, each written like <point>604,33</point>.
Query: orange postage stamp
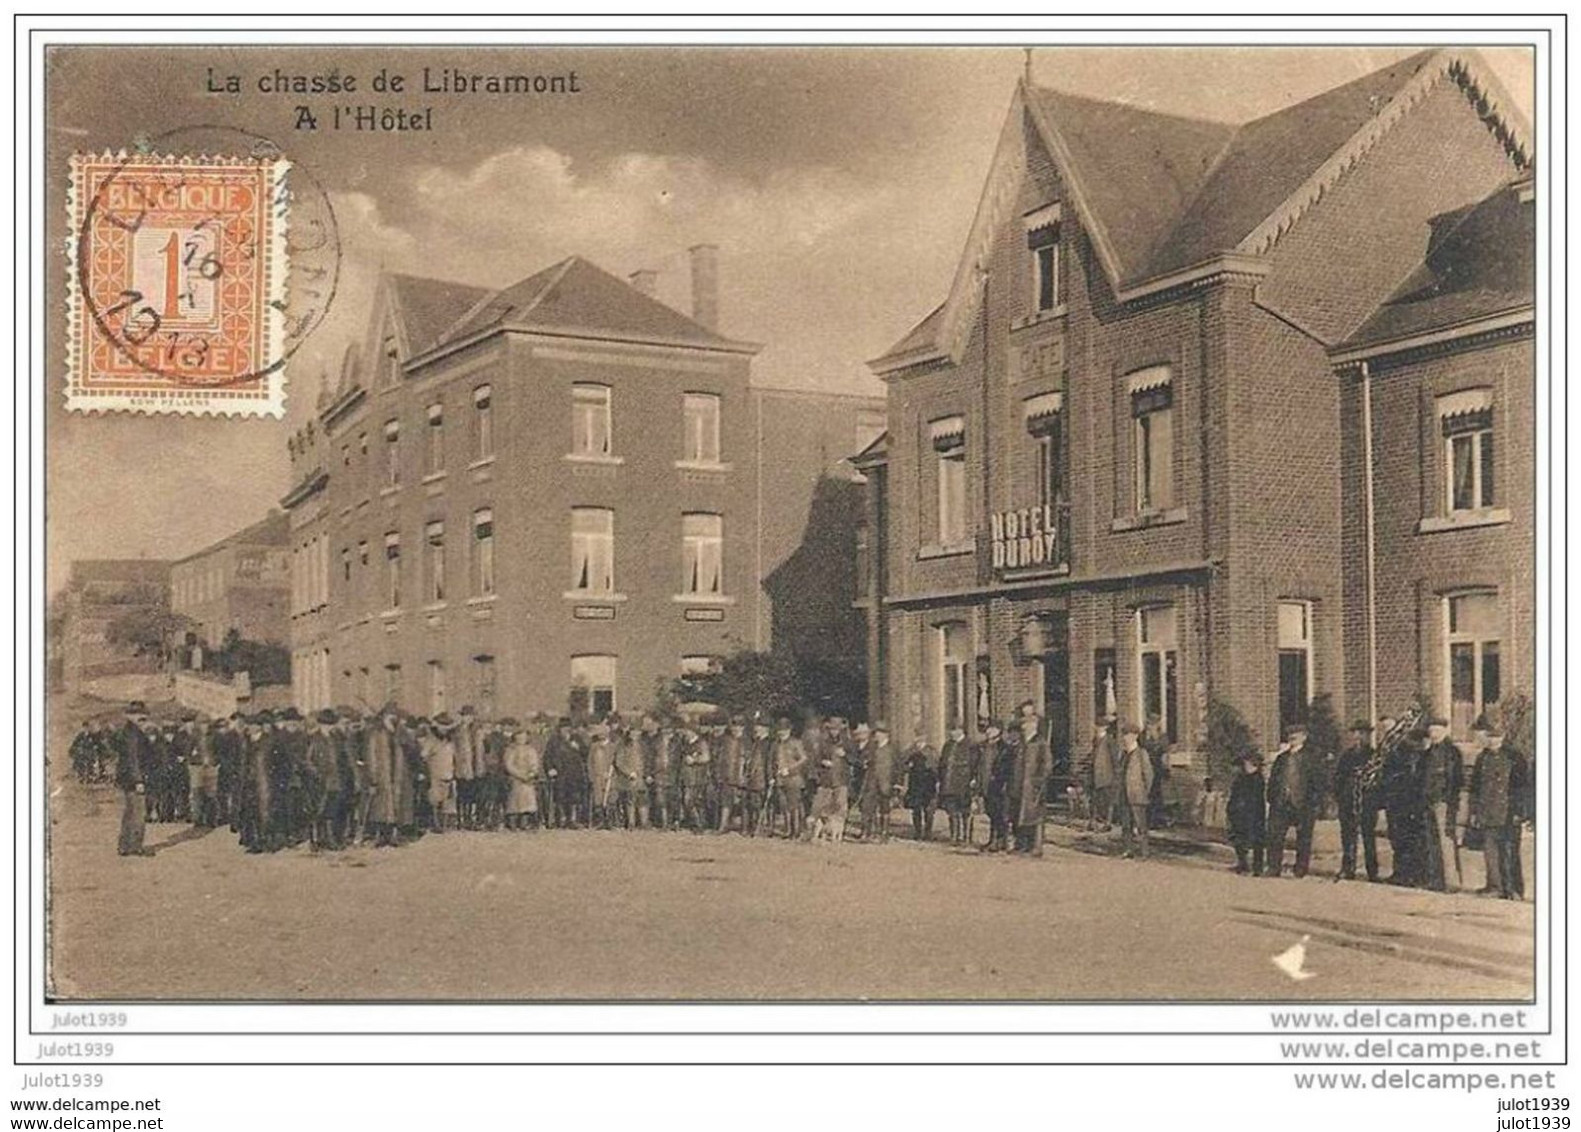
<point>178,284</point>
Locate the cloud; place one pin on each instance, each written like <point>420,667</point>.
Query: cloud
<point>818,263</point>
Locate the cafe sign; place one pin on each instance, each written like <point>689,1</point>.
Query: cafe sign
<point>1025,537</point>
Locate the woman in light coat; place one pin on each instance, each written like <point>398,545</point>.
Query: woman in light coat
<point>523,771</point>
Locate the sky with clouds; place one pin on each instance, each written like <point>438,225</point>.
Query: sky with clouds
<point>838,183</point>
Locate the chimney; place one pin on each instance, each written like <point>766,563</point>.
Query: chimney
<point>705,285</point>
<point>646,280</point>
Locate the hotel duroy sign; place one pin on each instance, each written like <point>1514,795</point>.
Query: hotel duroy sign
<point>1025,537</point>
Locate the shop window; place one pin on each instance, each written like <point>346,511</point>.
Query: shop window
<point>1159,664</point>
<point>596,676</point>
<point>955,662</point>
<point>1472,660</point>
<point>1295,662</point>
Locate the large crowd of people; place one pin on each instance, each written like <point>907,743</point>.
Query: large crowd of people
<point>338,778</point>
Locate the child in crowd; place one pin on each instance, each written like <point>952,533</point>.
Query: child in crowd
<point>1248,815</point>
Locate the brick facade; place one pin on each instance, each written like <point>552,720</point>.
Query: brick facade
<point>1263,508</point>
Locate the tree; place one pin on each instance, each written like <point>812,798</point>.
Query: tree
<point>151,631</point>
<point>746,682</point>
<point>265,662</point>
<point>1322,727</point>
<point>1229,739</point>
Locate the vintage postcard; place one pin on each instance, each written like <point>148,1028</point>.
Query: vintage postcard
<point>747,524</point>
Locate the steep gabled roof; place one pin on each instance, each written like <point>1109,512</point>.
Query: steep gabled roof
<point>1480,262</point>
<point>578,298</point>
<point>1160,195</point>
<point>428,307</point>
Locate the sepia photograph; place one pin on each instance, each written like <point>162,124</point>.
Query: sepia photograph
<point>749,524</point>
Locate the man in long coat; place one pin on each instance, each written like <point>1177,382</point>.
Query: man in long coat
<point>755,781</point>
<point>383,752</point>
<point>1348,789</point>
<point>1136,791</point>
<point>696,776</point>
<point>1295,794</point>
<point>878,784</point>
<point>1406,808</point>
<point>999,754</point>
<point>1443,778</point>
<point>831,774</point>
<point>523,765</point>
<point>1497,808</point>
<point>1031,788</point>
<point>729,763</point>
<point>132,757</point>
<point>1103,770</point>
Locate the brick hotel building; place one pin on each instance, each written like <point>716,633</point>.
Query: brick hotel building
<point>563,483</point>
<point>1214,410</point>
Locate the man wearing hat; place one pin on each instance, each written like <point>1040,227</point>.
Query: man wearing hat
<point>729,766</point>
<point>877,785</point>
<point>1497,808</point>
<point>132,756</point>
<point>1035,764</point>
<point>757,790</point>
<point>788,757</point>
<point>998,768</point>
<point>955,781</point>
<point>861,741</point>
<point>1443,778</point>
<point>1295,788</point>
<point>1135,785</point>
<point>1103,764</point>
<point>1348,800</point>
<point>323,783</point>
<point>1246,816</point>
<point>1406,807</point>
<point>601,774</point>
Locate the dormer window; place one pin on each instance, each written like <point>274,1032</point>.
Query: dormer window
<point>1043,242</point>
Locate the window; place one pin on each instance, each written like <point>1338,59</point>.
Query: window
<point>483,551</point>
<point>1295,662</point>
<point>702,553</point>
<point>345,455</point>
<point>955,658</point>
<point>392,363</point>
<point>1105,684</point>
<point>1043,422</point>
<point>1152,409</point>
<point>595,675</point>
<point>1473,657</point>
<point>436,687</point>
<point>362,444</point>
<point>592,549</point>
<point>436,438</point>
<point>483,423</point>
<point>392,683</point>
<point>701,413</point>
<point>1159,668</point>
<point>590,425</point>
<point>487,689</point>
<point>345,563</point>
<point>1043,242</point>
<point>434,542</point>
<point>392,569</point>
<point>392,453</point>
<point>362,552</point>
<point>949,445</point>
<point>1466,419</point>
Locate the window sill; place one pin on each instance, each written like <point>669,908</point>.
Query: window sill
<point>392,489</point>
<point>952,550</point>
<point>482,462</point>
<point>1040,318</point>
<point>1464,520</point>
<point>390,615</point>
<point>483,599</point>
<point>702,466</point>
<point>590,458</point>
<point>594,597</point>
<point>434,477</point>
<point>436,607</point>
<point>1145,520</point>
<point>702,599</point>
